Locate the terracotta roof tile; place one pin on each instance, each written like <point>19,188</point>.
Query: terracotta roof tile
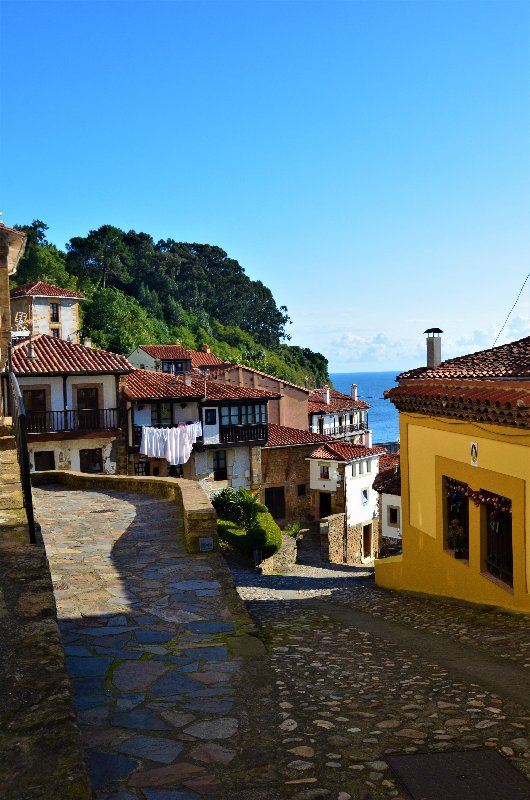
<point>344,451</point>
<point>388,481</point>
<point>388,460</point>
<point>228,367</point>
<point>281,436</point>
<point>338,401</point>
<point>60,356</point>
<point>506,361</point>
<point>174,352</point>
<point>42,289</point>
<point>146,384</point>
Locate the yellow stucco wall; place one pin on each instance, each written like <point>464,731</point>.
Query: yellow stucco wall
<point>430,449</point>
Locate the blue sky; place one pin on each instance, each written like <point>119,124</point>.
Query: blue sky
<point>369,161</point>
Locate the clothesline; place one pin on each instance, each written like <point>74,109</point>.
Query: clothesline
<point>174,444</point>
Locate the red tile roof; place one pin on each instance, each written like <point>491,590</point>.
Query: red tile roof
<point>338,401</point>
<point>229,367</point>
<point>174,352</point>
<point>42,289</point>
<point>280,436</point>
<point>54,356</point>
<point>506,361</point>
<point>388,460</point>
<point>343,451</point>
<point>495,402</point>
<point>388,481</point>
<point>146,384</point>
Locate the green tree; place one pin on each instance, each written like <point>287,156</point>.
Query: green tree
<point>102,256</point>
<point>42,261</point>
<point>118,323</point>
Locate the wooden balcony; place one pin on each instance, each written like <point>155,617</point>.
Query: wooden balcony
<point>341,430</point>
<point>76,420</point>
<point>234,434</point>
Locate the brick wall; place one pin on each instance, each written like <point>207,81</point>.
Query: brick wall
<point>288,467</point>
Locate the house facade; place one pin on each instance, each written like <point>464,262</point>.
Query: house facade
<point>234,423</point>
<point>290,410</point>
<point>285,472</point>
<point>465,478</point>
<point>40,307</point>
<point>341,483</point>
<point>71,398</point>
<point>173,358</point>
<point>342,416</point>
<point>388,486</point>
<point>12,246</point>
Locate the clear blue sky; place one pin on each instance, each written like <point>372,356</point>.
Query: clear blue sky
<point>369,161</point>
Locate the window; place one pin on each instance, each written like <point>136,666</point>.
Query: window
<point>324,472</point>
<point>361,467</point>
<point>210,416</point>
<point>302,490</point>
<point>54,312</point>
<point>499,556</point>
<point>161,414</point>
<point>219,465</point>
<point>364,497</point>
<point>91,460</point>
<point>55,333</point>
<point>167,366</point>
<point>44,459</point>
<point>351,419</point>
<point>457,517</point>
<point>368,466</point>
<point>244,414</point>
<point>34,400</point>
<point>393,516</point>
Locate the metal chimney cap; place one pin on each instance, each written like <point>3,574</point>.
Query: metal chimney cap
<point>433,330</point>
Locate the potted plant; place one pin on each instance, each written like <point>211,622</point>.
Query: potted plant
<point>457,539</point>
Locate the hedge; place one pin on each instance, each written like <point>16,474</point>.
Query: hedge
<point>264,534</point>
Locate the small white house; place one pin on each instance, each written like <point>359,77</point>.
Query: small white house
<point>339,415</point>
<point>40,307</point>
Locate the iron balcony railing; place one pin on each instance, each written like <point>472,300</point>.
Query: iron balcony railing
<point>232,434</point>
<point>339,430</point>
<point>19,418</point>
<point>76,420</point>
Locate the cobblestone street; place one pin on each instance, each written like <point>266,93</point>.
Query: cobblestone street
<point>177,702</point>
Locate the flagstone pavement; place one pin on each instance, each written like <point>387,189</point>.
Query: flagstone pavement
<point>176,701</point>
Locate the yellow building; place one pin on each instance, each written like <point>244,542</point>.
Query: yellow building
<point>465,478</point>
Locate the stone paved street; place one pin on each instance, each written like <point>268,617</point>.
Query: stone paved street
<point>177,702</point>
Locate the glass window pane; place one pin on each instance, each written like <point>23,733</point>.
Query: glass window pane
<point>225,415</point>
<point>234,415</point>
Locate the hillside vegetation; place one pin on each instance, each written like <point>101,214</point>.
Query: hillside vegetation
<point>141,292</point>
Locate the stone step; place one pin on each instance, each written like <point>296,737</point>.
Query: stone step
<point>8,456</point>
<point>8,442</point>
<point>13,518</point>
<point>10,500</point>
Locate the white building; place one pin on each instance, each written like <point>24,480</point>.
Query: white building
<point>388,485</point>
<point>339,415</point>
<point>40,307</point>
<point>173,358</point>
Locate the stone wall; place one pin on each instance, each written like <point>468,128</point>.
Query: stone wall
<point>41,754</point>
<point>288,467</point>
<point>283,559</point>
<point>343,544</point>
<point>198,514</point>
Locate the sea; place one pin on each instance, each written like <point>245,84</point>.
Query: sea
<point>382,416</point>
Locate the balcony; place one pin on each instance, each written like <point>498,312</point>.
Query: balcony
<point>77,420</point>
<point>341,430</point>
<point>234,434</point>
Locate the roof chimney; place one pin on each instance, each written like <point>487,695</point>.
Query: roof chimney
<point>187,378</point>
<point>206,348</point>
<point>434,347</point>
<point>87,342</point>
<point>354,391</point>
<point>325,395</point>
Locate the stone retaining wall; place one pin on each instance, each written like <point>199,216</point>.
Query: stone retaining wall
<point>41,752</point>
<point>198,514</point>
<point>284,558</point>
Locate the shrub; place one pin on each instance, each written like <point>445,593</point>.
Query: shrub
<point>232,535</point>
<point>239,506</point>
<point>293,529</point>
<point>265,534</point>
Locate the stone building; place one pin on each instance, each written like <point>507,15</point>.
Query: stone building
<point>12,246</point>
<point>285,472</point>
<point>173,358</point>
<point>40,307</point>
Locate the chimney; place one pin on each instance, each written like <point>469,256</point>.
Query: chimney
<point>354,391</point>
<point>87,342</point>
<point>187,378</point>
<point>206,348</point>
<point>325,395</point>
<point>434,347</point>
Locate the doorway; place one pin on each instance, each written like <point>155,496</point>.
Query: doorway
<point>275,501</point>
<point>367,541</point>
<point>44,459</point>
<point>91,460</point>
<point>325,504</point>
<point>88,408</point>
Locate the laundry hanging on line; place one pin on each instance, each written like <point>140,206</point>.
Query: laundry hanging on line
<point>174,444</point>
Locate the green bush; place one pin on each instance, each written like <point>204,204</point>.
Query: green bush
<point>239,506</point>
<point>264,535</point>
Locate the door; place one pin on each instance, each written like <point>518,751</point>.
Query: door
<point>44,459</point>
<point>367,541</point>
<point>87,408</point>
<point>35,407</point>
<point>325,504</point>
<point>275,501</point>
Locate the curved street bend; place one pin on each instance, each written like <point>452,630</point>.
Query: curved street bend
<point>179,699</point>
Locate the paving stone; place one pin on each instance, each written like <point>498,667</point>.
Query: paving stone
<point>105,768</point>
<point>153,748</point>
<point>212,754</point>
<point>140,719</point>
<point>132,675</point>
<point>213,729</point>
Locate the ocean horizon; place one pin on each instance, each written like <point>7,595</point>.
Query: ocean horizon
<point>383,417</point>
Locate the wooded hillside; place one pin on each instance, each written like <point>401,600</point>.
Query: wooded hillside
<point>144,292</point>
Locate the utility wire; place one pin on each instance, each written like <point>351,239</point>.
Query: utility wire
<point>511,309</point>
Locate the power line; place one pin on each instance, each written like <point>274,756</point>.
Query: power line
<point>511,309</point>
